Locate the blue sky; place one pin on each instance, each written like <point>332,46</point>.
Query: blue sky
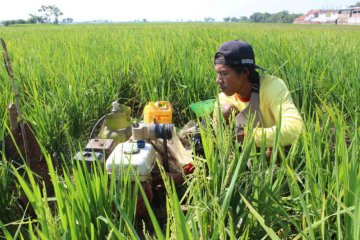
<point>163,10</point>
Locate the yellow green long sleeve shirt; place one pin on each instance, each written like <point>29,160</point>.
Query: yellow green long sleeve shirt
<point>275,102</point>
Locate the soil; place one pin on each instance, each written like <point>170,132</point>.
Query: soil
<point>36,159</point>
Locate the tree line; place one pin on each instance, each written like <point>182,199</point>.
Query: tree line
<point>257,17</point>
<point>45,14</point>
<point>51,14</point>
<point>280,17</point>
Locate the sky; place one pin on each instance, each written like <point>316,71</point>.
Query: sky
<point>162,10</point>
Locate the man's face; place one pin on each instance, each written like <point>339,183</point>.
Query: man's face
<point>229,81</point>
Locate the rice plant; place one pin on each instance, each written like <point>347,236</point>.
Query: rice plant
<point>68,76</point>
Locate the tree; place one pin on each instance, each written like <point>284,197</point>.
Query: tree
<point>50,11</point>
<point>244,19</point>
<point>280,17</point>
<point>257,17</point>
<point>35,19</point>
<point>67,20</point>
<point>7,22</point>
<point>235,19</point>
<point>209,19</point>
<point>11,22</point>
<point>356,5</point>
<point>226,19</point>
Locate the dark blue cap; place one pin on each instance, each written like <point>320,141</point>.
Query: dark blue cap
<point>141,144</point>
<point>236,52</point>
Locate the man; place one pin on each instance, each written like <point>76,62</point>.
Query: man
<point>243,91</point>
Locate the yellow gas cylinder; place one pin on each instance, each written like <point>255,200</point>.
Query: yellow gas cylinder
<point>158,112</point>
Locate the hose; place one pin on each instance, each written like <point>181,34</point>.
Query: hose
<point>95,126</point>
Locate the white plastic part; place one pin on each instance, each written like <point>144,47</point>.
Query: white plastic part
<point>142,160</point>
<point>115,106</point>
<point>130,148</point>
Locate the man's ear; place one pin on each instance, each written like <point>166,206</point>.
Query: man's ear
<point>246,72</point>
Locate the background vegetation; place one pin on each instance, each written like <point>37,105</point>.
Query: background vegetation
<point>69,75</point>
<point>279,17</point>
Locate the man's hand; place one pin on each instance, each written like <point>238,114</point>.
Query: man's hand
<point>227,110</point>
<point>240,134</point>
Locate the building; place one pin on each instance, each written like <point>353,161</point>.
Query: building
<point>349,15</point>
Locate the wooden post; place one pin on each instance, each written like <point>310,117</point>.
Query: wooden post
<point>13,116</point>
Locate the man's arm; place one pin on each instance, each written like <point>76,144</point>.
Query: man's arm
<point>280,104</point>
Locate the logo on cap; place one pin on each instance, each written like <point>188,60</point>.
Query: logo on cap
<point>247,61</point>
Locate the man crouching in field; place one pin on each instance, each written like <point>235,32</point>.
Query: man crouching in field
<point>244,92</point>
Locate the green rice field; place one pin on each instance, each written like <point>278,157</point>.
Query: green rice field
<point>68,76</point>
